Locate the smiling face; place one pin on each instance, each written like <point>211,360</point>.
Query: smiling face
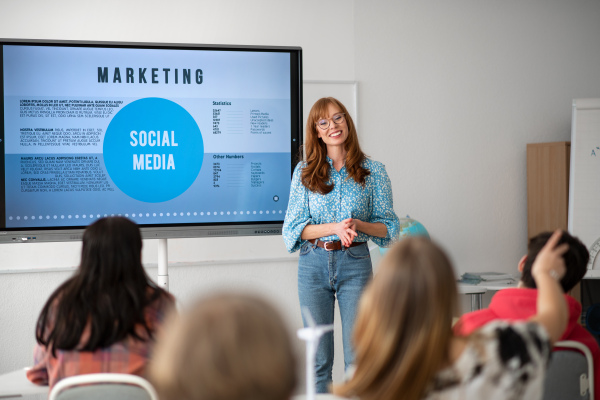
<point>336,133</point>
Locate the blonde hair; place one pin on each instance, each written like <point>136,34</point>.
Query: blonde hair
<point>315,176</point>
<point>403,328</point>
<point>227,347</point>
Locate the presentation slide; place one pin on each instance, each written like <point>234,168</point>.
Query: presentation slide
<point>162,136</point>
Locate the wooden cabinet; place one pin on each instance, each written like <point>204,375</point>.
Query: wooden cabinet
<point>548,190</point>
<point>547,186</point>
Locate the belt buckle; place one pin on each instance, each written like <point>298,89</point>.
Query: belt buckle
<point>325,244</point>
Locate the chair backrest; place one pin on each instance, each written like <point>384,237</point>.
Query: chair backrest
<point>570,374</point>
<point>103,386</point>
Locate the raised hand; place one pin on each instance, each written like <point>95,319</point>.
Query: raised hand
<point>549,260</point>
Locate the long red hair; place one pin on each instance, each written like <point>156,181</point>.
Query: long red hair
<point>315,175</point>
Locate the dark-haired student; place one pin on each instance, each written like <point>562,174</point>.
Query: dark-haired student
<point>105,317</point>
<point>520,303</point>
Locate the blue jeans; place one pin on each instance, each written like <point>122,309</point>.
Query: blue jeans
<point>323,275</point>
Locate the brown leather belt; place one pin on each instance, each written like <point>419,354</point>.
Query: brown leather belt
<point>332,245</point>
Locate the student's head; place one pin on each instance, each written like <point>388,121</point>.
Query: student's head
<point>226,347</point>
<point>107,295</point>
<point>320,110</point>
<point>112,253</point>
<point>403,328</point>
<point>576,259</point>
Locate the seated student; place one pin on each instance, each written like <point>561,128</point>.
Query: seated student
<point>226,347</point>
<point>405,348</point>
<point>104,318</point>
<point>520,303</point>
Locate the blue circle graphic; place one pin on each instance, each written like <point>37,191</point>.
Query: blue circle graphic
<point>153,150</point>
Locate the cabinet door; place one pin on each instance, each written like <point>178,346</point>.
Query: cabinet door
<point>547,186</point>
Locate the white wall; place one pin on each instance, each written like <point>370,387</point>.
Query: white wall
<point>449,94</point>
<point>452,91</point>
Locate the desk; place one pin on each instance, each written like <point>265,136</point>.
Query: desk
<point>498,286</point>
<point>476,293</point>
<point>16,384</point>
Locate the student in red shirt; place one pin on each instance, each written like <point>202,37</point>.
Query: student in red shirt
<point>104,318</point>
<point>520,303</point>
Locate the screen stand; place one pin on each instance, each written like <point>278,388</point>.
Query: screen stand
<point>163,273</point>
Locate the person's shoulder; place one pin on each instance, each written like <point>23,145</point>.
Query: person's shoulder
<point>374,166</point>
<point>473,320</point>
<point>572,302</point>
<point>370,163</point>
<point>162,304</point>
<point>168,299</point>
<point>579,334</point>
<point>163,300</point>
<point>506,301</point>
<point>299,167</point>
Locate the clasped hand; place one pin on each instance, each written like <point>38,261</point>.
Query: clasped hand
<point>346,231</point>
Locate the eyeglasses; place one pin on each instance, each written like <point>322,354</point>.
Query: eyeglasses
<point>324,123</point>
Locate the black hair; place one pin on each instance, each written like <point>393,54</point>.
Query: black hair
<point>109,292</point>
<point>576,259</point>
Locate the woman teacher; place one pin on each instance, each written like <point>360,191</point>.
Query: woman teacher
<point>339,199</point>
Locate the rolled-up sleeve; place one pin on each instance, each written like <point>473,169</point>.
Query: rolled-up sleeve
<point>297,215</point>
<point>383,207</point>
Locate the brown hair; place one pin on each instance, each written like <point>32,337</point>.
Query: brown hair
<point>403,327</point>
<point>227,347</point>
<point>315,175</point>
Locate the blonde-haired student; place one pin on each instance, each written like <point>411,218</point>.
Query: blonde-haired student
<point>405,346</point>
<point>226,347</point>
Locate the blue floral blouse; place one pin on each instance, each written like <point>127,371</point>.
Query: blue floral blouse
<point>348,199</point>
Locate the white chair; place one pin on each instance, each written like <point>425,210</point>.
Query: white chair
<point>570,374</point>
<point>103,386</point>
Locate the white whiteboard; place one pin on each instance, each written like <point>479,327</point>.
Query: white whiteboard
<point>344,91</point>
<point>584,180</point>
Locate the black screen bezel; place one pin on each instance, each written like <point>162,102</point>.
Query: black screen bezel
<point>170,230</point>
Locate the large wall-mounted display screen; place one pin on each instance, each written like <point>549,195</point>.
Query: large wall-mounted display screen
<point>185,140</point>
